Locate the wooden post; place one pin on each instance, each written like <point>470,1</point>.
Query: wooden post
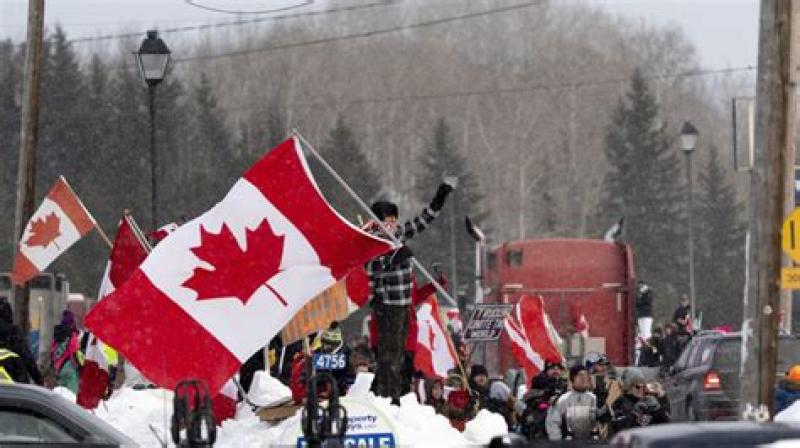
<point>28,142</point>
<point>774,160</point>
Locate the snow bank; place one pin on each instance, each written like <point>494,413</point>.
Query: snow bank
<point>65,393</point>
<point>134,411</point>
<point>790,414</point>
<point>267,391</point>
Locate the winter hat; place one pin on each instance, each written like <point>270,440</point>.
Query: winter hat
<point>478,369</point>
<point>793,374</point>
<point>68,319</point>
<point>575,370</point>
<point>382,209</point>
<point>499,391</point>
<point>631,377</point>
<point>333,335</point>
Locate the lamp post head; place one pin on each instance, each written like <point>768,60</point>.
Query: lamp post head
<point>153,58</point>
<point>689,135</point>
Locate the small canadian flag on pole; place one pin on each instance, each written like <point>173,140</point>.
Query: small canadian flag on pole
<point>58,223</point>
<point>434,356</point>
<point>222,285</point>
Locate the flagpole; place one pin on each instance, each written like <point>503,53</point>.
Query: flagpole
<point>103,234</point>
<point>137,231</point>
<point>366,208</point>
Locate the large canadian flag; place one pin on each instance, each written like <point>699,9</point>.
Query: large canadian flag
<point>58,223</point>
<point>221,286</point>
<point>434,356</point>
<point>128,252</point>
<point>534,340</point>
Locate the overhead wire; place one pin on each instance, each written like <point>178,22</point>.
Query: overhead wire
<point>299,4</point>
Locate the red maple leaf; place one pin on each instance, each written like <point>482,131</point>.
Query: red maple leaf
<point>44,231</point>
<point>237,273</point>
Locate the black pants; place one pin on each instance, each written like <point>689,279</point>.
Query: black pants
<point>392,324</point>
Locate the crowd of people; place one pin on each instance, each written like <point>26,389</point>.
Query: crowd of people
<point>661,345</point>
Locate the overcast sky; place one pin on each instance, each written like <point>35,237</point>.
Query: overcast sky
<point>724,31</point>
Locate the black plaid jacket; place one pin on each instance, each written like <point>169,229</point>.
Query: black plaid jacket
<point>390,280</point>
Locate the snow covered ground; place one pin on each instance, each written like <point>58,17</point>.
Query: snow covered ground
<point>135,412</point>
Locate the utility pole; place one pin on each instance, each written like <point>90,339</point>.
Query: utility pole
<point>28,143</point>
<point>772,170</point>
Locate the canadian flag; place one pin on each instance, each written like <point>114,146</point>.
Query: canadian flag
<point>580,323</point>
<point>223,404</point>
<point>533,337</point>
<point>434,355</point>
<point>127,254</point>
<point>58,223</point>
<point>163,231</point>
<point>221,286</point>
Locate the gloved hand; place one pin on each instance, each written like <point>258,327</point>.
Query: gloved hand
<point>643,419</point>
<point>441,194</point>
<point>399,256</point>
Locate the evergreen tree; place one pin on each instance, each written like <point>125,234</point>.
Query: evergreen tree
<point>10,88</point>
<point>342,151</point>
<point>446,241</point>
<point>720,247</point>
<point>644,185</point>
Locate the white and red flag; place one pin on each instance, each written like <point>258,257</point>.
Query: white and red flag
<point>163,231</point>
<point>57,224</point>
<point>221,286</point>
<point>579,321</point>
<point>434,355</point>
<point>533,337</point>
<point>127,254</point>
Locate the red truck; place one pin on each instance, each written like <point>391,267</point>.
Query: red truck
<point>594,278</point>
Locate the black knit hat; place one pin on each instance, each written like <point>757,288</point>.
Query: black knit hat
<point>575,370</point>
<point>478,369</point>
<point>382,209</point>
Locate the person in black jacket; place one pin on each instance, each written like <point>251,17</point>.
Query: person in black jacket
<point>12,366</point>
<point>641,404</point>
<point>18,343</point>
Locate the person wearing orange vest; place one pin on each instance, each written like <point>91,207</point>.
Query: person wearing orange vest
<point>788,389</point>
<point>12,366</point>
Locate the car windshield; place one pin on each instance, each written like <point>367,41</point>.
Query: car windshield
<point>728,356</point>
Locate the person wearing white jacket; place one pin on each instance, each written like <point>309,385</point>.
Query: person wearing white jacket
<point>574,416</point>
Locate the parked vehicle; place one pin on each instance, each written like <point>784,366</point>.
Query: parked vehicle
<point>35,416</point>
<point>703,384</point>
<point>710,435</point>
<point>593,278</point>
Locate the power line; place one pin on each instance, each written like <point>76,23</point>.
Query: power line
<point>299,4</point>
<point>363,34</point>
<point>507,90</point>
<point>218,25</point>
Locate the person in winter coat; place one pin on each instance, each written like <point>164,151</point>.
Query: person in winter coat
<point>18,343</point>
<point>390,281</point>
<point>502,401</point>
<point>641,404</point>
<point>574,415</point>
<point>671,346</point>
<point>644,309</point>
<point>333,356</point>
<point>788,390</point>
<point>682,317</point>
<point>605,387</point>
<point>434,395</point>
<point>460,406</point>
<point>12,366</point>
<point>418,295</point>
<point>479,384</point>
<point>545,389</point>
<point>64,352</point>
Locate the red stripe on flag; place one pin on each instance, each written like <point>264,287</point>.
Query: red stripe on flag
<point>71,205</point>
<point>291,191</point>
<point>24,270</point>
<point>159,338</point>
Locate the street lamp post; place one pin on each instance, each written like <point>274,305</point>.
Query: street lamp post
<point>153,60</point>
<point>688,143</point>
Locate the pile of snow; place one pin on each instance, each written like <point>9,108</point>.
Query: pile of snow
<point>267,391</point>
<point>790,414</point>
<point>135,412</point>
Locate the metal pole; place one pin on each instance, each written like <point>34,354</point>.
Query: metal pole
<point>151,93</point>
<point>690,183</point>
<point>369,213</point>
<point>521,202</point>
<point>28,143</point>
<point>453,263</point>
<point>478,273</point>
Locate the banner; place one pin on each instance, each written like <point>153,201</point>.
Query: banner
<point>317,314</point>
<point>486,322</point>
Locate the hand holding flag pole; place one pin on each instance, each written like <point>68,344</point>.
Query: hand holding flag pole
<point>368,211</point>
